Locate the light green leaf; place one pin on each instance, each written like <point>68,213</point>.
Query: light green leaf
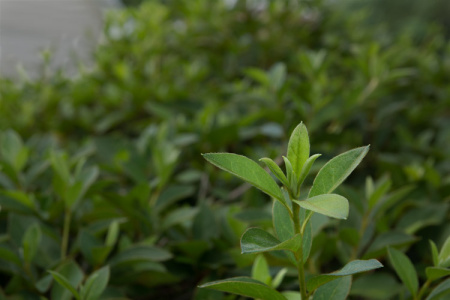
<point>291,176</point>
<point>444,254</point>
<point>298,148</point>
<point>256,240</point>
<point>334,290</point>
<point>64,282</point>
<point>260,270</point>
<point>441,291</point>
<point>379,191</point>
<point>306,168</point>
<point>95,284</point>
<point>247,170</point>
<point>275,169</point>
<point>434,273</point>
<point>113,233</point>
<point>404,269</point>
<point>278,279</point>
<point>291,295</point>
<point>245,286</point>
<point>353,267</point>
<point>13,151</point>
<point>434,253</point>
<point>335,171</point>
<point>60,165</point>
<point>331,205</point>
<point>277,76</point>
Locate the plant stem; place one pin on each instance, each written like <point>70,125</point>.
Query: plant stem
<point>66,229</point>
<point>299,255</point>
<point>423,289</point>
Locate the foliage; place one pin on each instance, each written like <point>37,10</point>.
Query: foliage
<point>103,170</point>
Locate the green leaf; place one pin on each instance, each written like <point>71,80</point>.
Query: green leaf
<point>13,151</point>
<point>140,254</point>
<point>434,273</point>
<point>307,241</point>
<point>60,165</point>
<point>247,170</point>
<point>245,286</point>
<point>331,205</point>
<point>298,148</point>
<point>434,253</point>
<point>404,269</point>
<point>278,279</point>
<point>444,254</point>
<point>73,276</point>
<point>378,285</point>
<point>291,295</point>
<point>31,241</point>
<point>260,270</point>
<point>113,233</point>
<point>382,187</point>
<point>353,267</point>
<point>291,176</point>
<point>335,171</point>
<point>334,290</point>
<point>284,226</point>
<point>64,282</point>
<point>441,291</point>
<point>306,168</point>
<point>275,169</point>
<point>95,284</point>
<point>256,240</point>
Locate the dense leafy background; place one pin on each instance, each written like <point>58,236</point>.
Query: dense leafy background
<point>116,149</point>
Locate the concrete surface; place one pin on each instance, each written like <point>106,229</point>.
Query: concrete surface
<point>69,28</point>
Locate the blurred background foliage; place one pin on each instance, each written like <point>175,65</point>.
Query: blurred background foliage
<point>104,168</point>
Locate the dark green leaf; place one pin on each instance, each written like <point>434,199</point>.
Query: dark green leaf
<point>73,275</point>
<point>245,286</point>
<point>353,267</point>
<point>95,284</point>
<point>334,290</point>
<point>442,291</point>
<point>331,205</point>
<point>256,240</point>
<point>434,253</point>
<point>140,253</point>
<point>64,282</point>
<point>298,149</point>
<point>247,170</point>
<point>335,171</point>
<point>404,269</point>
<point>31,241</point>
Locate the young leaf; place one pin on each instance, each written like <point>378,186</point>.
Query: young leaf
<point>334,290</point>
<point>434,253</point>
<point>306,168</point>
<point>113,233</point>
<point>441,291</point>
<point>335,171</point>
<point>279,278</point>
<point>353,267</point>
<point>64,283</point>
<point>404,269</point>
<point>291,176</point>
<point>283,225</point>
<point>245,286</point>
<point>247,170</point>
<point>95,284</point>
<point>444,254</point>
<point>256,240</point>
<point>260,270</point>
<point>331,205</point>
<point>298,148</point>
<point>275,169</point>
<point>434,273</point>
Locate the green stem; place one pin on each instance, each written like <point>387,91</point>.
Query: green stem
<point>423,289</point>
<point>66,229</point>
<point>299,255</point>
